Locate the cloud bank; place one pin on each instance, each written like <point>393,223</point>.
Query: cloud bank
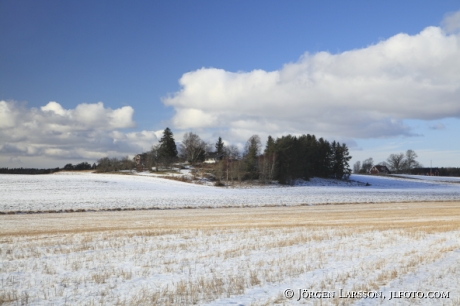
<point>88,132</point>
<point>362,93</point>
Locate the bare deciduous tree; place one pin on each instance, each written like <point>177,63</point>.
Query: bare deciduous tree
<point>410,162</point>
<point>152,158</point>
<point>104,165</point>
<point>367,165</point>
<point>126,163</point>
<point>232,152</point>
<point>357,167</point>
<point>192,148</point>
<point>396,162</point>
<point>233,169</point>
<point>267,167</point>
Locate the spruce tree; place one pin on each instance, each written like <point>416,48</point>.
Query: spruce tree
<point>323,167</point>
<point>269,146</point>
<point>284,162</point>
<point>220,147</point>
<point>168,150</point>
<point>340,166</point>
<point>251,154</point>
<point>267,168</point>
<point>346,158</point>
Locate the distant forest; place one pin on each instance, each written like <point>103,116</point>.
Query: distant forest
<point>28,170</point>
<point>450,171</point>
<point>68,167</point>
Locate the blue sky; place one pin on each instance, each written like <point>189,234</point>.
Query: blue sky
<point>118,72</point>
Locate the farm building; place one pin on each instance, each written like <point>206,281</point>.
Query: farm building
<point>378,169</point>
<point>212,157</point>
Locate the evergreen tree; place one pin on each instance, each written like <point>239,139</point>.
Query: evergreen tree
<point>340,166</point>
<point>284,159</point>
<point>269,146</point>
<point>323,159</point>
<point>220,147</point>
<point>167,150</point>
<point>305,157</point>
<point>251,154</point>
<point>267,161</point>
<point>346,159</point>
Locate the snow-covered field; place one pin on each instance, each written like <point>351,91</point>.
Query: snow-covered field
<point>232,255</point>
<point>451,179</point>
<point>235,256</point>
<point>90,191</point>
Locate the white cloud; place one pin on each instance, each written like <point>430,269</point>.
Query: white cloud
<point>55,108</point>
<point>7,117</point>
<point>451,22</point>
<point>51,133</point>
<point>89,116</point>
<point>363,93</point>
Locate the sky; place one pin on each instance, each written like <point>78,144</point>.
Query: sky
<point>80,80</point>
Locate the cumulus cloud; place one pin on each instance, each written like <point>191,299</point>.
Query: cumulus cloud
<point>363,93</point>
<point>88,116</point>
<point>88,132</point>
<point>451,22</point>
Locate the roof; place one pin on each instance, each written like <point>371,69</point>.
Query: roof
<point>381,168</point>
<point>214,155</point>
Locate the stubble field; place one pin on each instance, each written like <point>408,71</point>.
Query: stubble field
<point>232,256</point>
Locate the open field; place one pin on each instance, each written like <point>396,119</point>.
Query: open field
<point>451,179</point>
<point>240,256</point>
<point>89,191</point>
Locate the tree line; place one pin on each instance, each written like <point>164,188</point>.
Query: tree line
<point>284,159</point>
<point>114,164</point>
<point>67,167</point>
<point>80,166</point>
<point>28,171</point>
<point>448,171</point>
<point>396,163</point>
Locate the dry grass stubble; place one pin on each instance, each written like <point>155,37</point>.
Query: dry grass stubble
<point>206,254</point>
<point>427,215</point>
